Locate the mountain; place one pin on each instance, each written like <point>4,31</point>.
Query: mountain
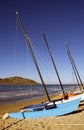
<point>17,80</point>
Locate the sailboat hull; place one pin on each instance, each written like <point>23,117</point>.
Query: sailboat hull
<point>81,95</point>
<point>61,109</point>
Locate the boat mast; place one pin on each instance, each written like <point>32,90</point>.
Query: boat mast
<point>74,67</point>
<point>53,63</point>
<point>32,54</point>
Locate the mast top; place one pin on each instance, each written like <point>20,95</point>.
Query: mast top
<point>17,12</point>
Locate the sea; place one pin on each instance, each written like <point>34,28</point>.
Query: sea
<point>17,93</point>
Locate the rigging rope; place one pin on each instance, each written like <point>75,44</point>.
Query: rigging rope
<point>22,91</point>
<point>45,64</point>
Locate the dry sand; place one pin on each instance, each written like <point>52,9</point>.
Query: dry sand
<point>74,121</point>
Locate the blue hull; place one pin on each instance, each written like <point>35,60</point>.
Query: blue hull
<point>61,109</point>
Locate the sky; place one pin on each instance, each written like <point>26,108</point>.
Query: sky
<point>61,21</point>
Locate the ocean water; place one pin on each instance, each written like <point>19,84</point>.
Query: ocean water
<point>13,93</point>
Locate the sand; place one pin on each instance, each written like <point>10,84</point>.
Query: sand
<point>73,121</point>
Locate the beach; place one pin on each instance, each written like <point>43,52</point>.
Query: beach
<point>73,121</point>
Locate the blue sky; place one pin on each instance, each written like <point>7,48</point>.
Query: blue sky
<point>60,20</point>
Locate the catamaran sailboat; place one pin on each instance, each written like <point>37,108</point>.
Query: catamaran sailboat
<point>65,94</point>
<point>50,108</point>
<point>76,73</point>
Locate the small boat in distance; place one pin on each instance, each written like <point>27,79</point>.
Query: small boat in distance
<point>66,96</point>
<point>50,108</point>
<point>76,73</point>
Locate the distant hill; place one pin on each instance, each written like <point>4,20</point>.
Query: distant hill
<point>17,80</point>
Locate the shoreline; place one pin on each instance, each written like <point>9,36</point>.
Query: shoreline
<point>5,108</point>
<point>15,106</point>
